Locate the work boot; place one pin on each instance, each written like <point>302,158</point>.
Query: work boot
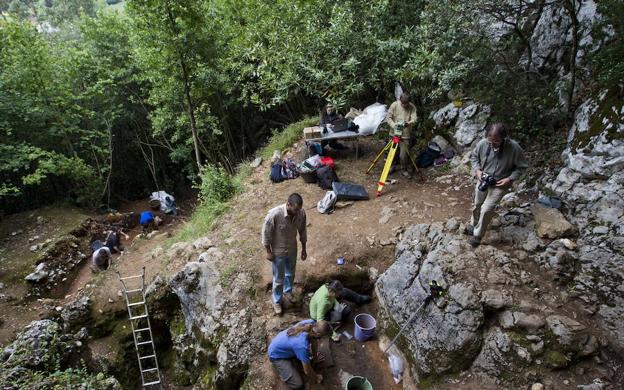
<point>474,241</point>
<point>289,297</point>
<point>469,230</point>
<point>364,299</point>
<point>277,308</point>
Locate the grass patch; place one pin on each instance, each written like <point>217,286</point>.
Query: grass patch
<point>225,277</point>
<point>281,140</point>
<point>217,190</point>
<point>201,222</point>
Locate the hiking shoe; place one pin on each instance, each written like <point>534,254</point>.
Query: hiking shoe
<point>289,297</point>
<point>469,230</point>
<point>406,174</point>
<point>474,241</point>
<point>277,308</point>
<point>364,299</point>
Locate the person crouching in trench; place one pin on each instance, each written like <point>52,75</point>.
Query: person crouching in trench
<point>293,345</point>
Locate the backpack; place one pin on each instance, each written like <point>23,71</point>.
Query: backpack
<point>427,157</point>
<point>328,203</point>
<point>95,245</point>
<point>290,169</point>
<point>276,174</point>
<point>326,176</point>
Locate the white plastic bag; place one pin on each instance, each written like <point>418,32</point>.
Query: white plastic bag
<point>396,367</point>
<point>328,203</point>
<point>371,118</point>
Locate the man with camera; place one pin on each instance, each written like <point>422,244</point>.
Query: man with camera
<point>497,161</point>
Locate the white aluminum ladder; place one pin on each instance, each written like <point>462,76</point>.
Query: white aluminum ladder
<point>141,328</point>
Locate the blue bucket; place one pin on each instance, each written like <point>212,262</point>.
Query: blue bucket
<point>365,325</point>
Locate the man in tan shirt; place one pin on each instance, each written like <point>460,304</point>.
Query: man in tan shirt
<point>403,112</point>
<point>279,237</point>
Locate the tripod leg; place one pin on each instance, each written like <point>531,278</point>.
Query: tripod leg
<point>379,156</point>
<point>422,177</point>
<point>388,164</point>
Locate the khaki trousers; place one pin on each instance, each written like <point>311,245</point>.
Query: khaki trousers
<point>406,164</point>
<point>483,207</point>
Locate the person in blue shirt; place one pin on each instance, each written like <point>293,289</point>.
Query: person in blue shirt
<point>294,343</point>
<point>147,221</point>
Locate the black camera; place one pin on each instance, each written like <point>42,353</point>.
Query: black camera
<point>486,181</point>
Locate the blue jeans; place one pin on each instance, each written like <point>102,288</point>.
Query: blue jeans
<point>283,275</point>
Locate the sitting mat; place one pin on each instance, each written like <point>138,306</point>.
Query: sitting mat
<point>347,191</point>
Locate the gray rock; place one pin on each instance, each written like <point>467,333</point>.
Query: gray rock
<point>530,322</point>
<point>441,337</point>
<point>203,243</point>
<point>493,359</point>
<point>601,230</point>
<point>596,384</point>
<point>442,142</point>
<point>39,275</point>
<point>445,116</point>
<point>256,162</point>
<point>76,313</point>
<point>217,317</point>
<point>471,123</point>
<point>495,299</point>
<point>569,333</point>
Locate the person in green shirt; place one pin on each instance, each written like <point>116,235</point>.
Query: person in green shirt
<point>324,305</point>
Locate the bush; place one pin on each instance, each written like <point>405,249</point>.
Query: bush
<point>216,185</point>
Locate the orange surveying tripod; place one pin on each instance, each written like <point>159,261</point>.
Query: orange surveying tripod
<point>392,147</point>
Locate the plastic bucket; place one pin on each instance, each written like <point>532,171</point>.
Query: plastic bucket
<point>358,383</point>
<point>364,326</point>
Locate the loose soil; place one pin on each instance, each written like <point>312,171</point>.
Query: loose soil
<point>355,232</point>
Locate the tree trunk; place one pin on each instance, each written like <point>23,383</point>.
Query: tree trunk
<point>190,107</point>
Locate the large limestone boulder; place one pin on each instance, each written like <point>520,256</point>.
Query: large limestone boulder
<point>443,336</point>
<point>219,328</point>
<point>550,223</point>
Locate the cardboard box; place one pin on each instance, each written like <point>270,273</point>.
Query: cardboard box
<point>312,132</point>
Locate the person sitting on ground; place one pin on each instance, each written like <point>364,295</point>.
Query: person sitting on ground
<point>147,221</point>
<point>324,305</point>
<point>112,241</point>
<point>294,343</point>
<point>101,259</point>
<point>329,116</point>
<point>403,112</point>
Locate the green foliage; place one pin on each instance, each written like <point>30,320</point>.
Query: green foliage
<point>216,185</point>
<point>608,63</point>
<point>283,139</point>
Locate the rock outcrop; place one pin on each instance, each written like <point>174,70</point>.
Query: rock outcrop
<point>44,348</point>
<point>490,319</point>
<point>591,184</point>
<point>218,335</point>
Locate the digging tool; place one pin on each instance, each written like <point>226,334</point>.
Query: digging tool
<point>435,291</point>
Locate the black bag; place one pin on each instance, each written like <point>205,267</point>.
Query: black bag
<point>427,157</point>
<point>326,176</point>
<point>347,191</point>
